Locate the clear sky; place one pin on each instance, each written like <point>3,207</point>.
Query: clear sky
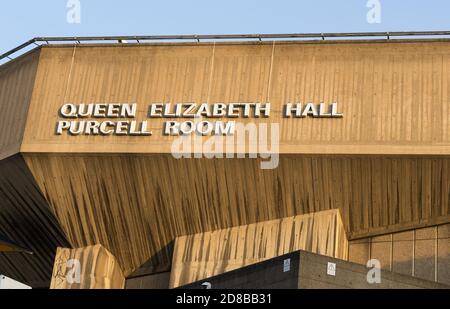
<point>21,20</point>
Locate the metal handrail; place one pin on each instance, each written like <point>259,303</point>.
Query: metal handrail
<point>198,38</point>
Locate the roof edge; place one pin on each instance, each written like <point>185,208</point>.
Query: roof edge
<point>356,36</point>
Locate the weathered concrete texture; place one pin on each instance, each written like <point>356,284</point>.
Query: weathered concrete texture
<point>96,267</point>
<point>313,274</point>
<point>423,253</point>
<point>213,253</point>
<point>309,270</point>
<point>26,219</point>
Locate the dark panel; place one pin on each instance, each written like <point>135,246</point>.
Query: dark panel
<point>270,274</point>
<point>26,219</point>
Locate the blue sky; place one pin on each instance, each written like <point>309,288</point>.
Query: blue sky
<point>21,20</point>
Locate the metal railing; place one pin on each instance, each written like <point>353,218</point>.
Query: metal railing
<point>199,38</point>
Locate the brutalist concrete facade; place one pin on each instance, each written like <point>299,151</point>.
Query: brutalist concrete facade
<point>305,270</point>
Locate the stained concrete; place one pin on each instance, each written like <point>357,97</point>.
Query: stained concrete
<point>308,270</point>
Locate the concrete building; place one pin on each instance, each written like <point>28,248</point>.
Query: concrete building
<point>346,144</point>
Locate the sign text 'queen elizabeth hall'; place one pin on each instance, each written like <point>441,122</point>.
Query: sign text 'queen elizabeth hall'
<point>110,118</point>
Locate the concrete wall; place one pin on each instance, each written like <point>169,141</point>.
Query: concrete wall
<point>154,281</point>
<point>423,253</point>
<point>313,275</point>
<point>309,270</point>
<point>208,254</point>
<point>264,275</point>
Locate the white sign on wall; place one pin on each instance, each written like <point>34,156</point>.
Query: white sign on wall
<point>331,269</point>
<point>287,265</point>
